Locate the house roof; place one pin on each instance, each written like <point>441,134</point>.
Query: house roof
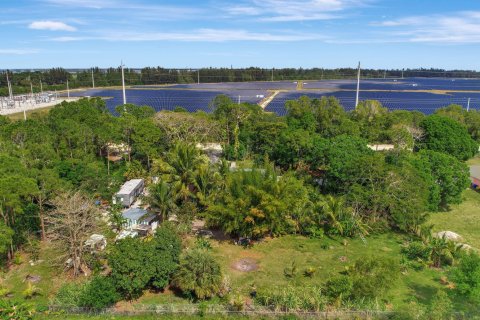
<point>129,186</point>
<point>134,213</point>
<point>475,172</point>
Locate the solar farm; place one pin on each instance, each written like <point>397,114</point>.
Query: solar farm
<point>421,94</point>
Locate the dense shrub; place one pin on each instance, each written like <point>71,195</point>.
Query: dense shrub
<point>199,273</point>
<point>69,295</point>
<point>417,251</point>
<point>373,277</point>
<point>466,276</point>
<point>99,293</point>
<point>292,299</point>
<point>137,264</point>
<point>448,136</point>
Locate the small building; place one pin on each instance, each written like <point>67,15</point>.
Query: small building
<point>475,176</point>
<point>140,220</point>
<point>129,192</point>
<point>213,151</point>
<point>381,147</point>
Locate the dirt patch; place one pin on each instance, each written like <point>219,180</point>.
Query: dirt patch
<point>245,265</point>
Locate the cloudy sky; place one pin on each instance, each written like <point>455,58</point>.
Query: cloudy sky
<point>240,33</point>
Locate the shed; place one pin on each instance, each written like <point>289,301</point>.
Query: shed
<point>139,218</point>
<point>475,176</point>
<point>129,192</point>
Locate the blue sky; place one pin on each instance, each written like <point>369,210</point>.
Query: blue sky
<point>241,33</point>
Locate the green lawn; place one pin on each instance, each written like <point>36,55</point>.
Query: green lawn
<point>463,219</point>
<point>51,278</point>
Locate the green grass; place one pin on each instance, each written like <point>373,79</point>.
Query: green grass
<point>52,278</point>
<point>274,255</point>
<point>463,219</point>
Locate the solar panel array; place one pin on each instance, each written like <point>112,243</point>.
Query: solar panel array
<point>408,94</point>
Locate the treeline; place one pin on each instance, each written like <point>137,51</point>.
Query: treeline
<point>56,78</point>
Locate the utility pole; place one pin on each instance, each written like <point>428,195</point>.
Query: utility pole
<point>31,89</point>
<point>93,80</point>
<point>41,86</point>
<point>238,99</point>
<point>272,75</point>
<point>68,90</point>
<point>198,76</point>
<point>358,86</point>
<point>468,105</point>
<point>123,84</point>
<point>10,91</point>
<point>402,73</point>
<point>385,74</point>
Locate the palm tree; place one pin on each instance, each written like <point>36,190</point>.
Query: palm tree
<point>333,208</point>
<point>185,159</point>
<point>161,198</point>
<point>199,273</point>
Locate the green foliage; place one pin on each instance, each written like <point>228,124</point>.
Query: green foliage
<point>136,264</point>
<point>69,295</point>
<point>292,299</point>
<point>199,273</point>
<point>339,288</point>
<point>258,203</point>
<point>417,251</point>
<point>99,293</point>
<point>448,178</point>
<point>132,270</point>
<point>466,276</point>
<point>17,310</point>
<point>30,291</point>
<point>372,277</point>
<point>440,307</point>
<point>291,272</point>
<point>447,136</point>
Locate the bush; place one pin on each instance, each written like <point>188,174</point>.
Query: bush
<point>448,136</point>
<point>99,293</point>
<point>440,307</point>
<point>417,251</point>
<point>199,273</point>
<point>137,264</point>
<point>373,277</point>
<point>466,276</point>
<point>17,310</point>
<point>293,299</point>
<point>69,295</point>
<point>339,288</point>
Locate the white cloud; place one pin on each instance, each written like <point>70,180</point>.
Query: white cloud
<point>295,10</point>
<point>200,35</point>
<point>457,27</point>
<point>18,51</point>
<point>51,25</point>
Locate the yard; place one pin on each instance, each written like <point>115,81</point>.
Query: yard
<point>263,265</point>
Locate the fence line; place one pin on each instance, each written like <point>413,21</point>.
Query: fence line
<point>223,310</point>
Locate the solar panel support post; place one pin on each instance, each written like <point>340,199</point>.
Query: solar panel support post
<point>123,84</point>
<point>358,86</point>
<point>468,104</point>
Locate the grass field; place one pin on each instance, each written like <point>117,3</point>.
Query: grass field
<point>463,219</point>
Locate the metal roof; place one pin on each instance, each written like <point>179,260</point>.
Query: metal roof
<point>129,186</point>
<point>134,213</point>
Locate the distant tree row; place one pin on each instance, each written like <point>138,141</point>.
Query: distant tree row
<point>56,78</point>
